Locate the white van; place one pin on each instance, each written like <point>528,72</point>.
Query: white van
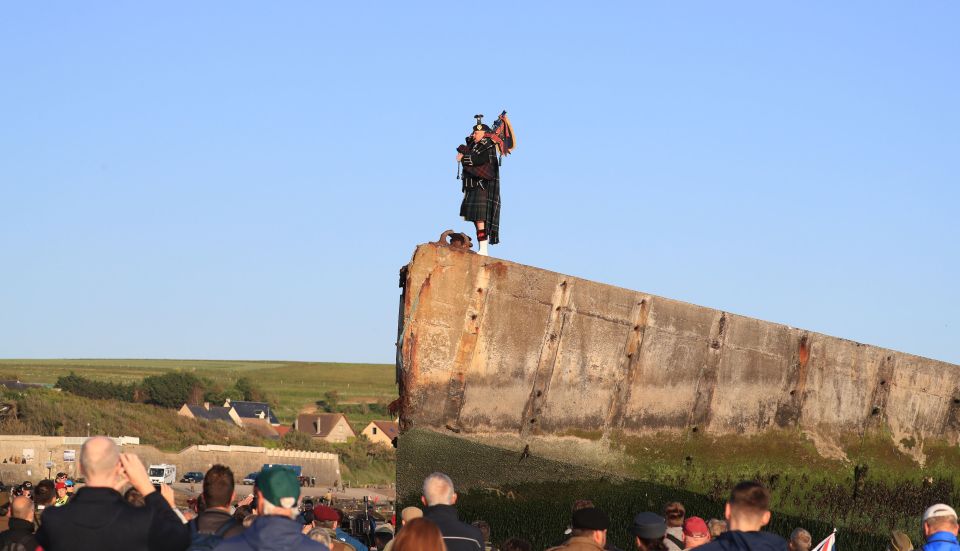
<point>162,474</point>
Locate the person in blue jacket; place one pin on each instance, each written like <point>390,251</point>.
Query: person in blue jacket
<point>940,528</point>
<point>345,537</point>
<point>276,527</point>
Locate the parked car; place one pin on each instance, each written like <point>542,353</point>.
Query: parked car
<point>192,476</point>
<point>251,478</point>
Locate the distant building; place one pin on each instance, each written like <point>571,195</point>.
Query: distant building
<point>382,432</point>
<point>253,410</point>
<point>214,413</point>
<point>331,427</point>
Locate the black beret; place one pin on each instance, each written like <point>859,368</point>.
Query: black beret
<point>648,526</point>
<point>590,518</point>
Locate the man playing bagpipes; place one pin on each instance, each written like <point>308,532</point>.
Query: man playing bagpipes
<point>481,176</point>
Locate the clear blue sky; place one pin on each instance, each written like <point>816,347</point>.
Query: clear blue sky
<point>244,179</point>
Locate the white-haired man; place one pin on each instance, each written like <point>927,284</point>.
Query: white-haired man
<point>99,519</point>
<point>940,528</point>
<point>275,528</point>
<point>439,496</point>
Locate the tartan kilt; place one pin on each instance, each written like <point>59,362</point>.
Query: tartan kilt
<point>483,204</point>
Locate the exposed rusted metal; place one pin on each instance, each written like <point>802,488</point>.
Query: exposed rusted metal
<point>456,240</point>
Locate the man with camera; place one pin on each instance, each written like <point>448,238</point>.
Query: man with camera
<point>99,519</point>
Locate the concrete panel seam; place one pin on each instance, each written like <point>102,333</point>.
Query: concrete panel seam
<point>549,349</point>
<point>629,366</point>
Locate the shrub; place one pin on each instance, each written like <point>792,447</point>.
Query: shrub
<point>101,390</point>
<point>172,390</point>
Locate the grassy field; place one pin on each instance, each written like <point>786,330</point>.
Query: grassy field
<point>291,386</point>
<point>51,413</point>
<point>531,496</point>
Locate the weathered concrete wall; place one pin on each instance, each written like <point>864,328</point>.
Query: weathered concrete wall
<point>492,347</point>
<point>241,459</point>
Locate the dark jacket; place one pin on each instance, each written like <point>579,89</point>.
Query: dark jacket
<point>272,533</point>
<point>209,521</point>
<point>941,541</point>
<point>19,537</point>
<point>99,519</point>
<point>458,536</point>
<point>480,163</point>
<point>736,540</point>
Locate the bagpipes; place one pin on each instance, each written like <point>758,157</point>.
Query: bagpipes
<point>501,134</point>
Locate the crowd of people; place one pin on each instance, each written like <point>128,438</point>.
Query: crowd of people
<point>118,508</point>
<point>746,513</point>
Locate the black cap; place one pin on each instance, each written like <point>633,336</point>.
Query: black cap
<point>590,518</point>
<point>480,125</point>
<point>648,526</point>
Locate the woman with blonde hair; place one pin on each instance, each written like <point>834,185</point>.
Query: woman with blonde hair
<point>419,535</point>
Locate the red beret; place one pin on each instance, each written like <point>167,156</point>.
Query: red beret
<point>324,513</point>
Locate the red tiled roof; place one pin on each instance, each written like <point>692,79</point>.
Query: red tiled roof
<point>319,424</point>
<point>389,428</point>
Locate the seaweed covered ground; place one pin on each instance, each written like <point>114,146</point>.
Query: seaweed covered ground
<point>530,496</point>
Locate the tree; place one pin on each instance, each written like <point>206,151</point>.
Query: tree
<point>330,402</point>
<point>249,391</point>
<point>172,390</point>
<point>101,390</point>
<point>296,440</point>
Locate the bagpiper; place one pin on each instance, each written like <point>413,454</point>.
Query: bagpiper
<point>480,159</point>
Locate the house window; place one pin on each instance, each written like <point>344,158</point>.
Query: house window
<point>374,430</point>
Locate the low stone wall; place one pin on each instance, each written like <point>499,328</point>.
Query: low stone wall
<point>38,450</point>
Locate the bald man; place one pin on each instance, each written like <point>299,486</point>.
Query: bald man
<point>98,518</point>
<point>20,535</point>
<point>439,497</point>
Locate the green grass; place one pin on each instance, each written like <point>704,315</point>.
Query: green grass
<point>880,490</point>
<point>52,413</point>
<point>539,512</point>
<point>291,386</point>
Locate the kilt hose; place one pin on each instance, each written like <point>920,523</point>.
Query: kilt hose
<point>483,205</point>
